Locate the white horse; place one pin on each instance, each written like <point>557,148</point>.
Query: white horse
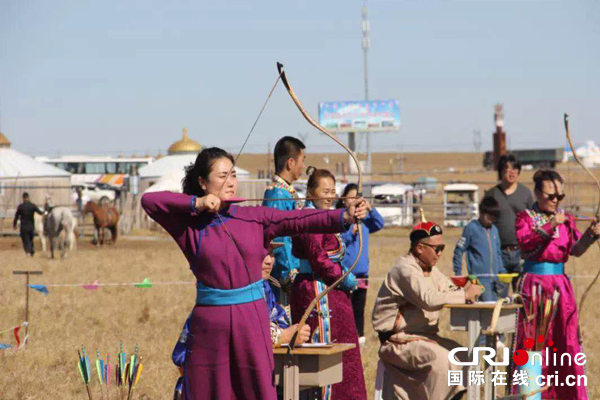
<point>61,220</point>
<point>39,229</point>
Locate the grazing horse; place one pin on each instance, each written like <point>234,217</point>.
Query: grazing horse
<point>60,220</point>
<point>105,217</point>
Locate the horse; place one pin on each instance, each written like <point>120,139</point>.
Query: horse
<point>39,222</point>
<point>60,220</point>
<point>105,217</point>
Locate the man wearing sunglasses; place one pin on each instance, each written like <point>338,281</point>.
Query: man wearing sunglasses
<point>406,317</point>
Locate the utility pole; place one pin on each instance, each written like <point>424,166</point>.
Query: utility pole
<point>365,46</point>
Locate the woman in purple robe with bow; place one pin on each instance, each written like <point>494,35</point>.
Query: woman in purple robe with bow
<point>229,344</point>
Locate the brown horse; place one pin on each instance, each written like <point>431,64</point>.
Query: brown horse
<point>105,217</point>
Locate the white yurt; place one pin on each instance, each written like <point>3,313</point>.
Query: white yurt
<point>589,154</point>
<point>20,173</point>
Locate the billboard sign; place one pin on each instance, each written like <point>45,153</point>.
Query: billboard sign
<point>360,116</point>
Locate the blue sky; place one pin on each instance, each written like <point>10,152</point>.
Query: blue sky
<point>108,76</point>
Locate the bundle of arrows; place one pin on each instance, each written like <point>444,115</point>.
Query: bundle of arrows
<point>122,377</point>
<point>540,312</point>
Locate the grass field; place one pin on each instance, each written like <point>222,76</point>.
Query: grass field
<point>70,317</point>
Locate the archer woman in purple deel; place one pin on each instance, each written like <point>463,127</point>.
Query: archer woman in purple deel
<point>547,237</point>
<point>229,353</point>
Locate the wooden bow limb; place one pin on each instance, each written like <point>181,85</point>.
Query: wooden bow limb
<point>311,121</point>
<point>586,169</point>
<point>491,330</point>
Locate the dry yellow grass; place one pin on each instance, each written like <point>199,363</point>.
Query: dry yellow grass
<point>71,317</point>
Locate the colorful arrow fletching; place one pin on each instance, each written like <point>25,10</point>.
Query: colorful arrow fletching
<point>87,365</point>
<point>80,370</point>
<point>99,371</point>
<point>139,372</point>
<point>126,374</point>
<point>132,367</point>
<point>122,357</point>
<point>107,371</point>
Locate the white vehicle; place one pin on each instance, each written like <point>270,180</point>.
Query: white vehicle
<point>91,192</point>
<point>461,204</point>
<point>395,202</point>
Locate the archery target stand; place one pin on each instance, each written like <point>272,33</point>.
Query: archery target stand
<point>27,274</point>
<point>308,367</point>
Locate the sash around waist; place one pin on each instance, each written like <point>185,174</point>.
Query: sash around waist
<point>208,296</point>
<point>543,268</point>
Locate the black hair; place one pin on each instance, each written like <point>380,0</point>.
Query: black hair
<point>201,169</point>
<point>25,194</point>
<point>506,159</point>
<point>287,147</point>
<point>315,175</point>
<point>349,187</point>
<point>489,205</point>
<point>545,175</point>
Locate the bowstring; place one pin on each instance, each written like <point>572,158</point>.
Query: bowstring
<point>222,223</point>
<point>249,134</point>
<point>233,166</point>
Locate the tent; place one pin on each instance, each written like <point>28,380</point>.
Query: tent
<point>170,182</point>
<point>20,173</point>
<point>589,154</point>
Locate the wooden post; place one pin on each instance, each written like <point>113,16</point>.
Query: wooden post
<point>291,379</point>
<point>27,273</point>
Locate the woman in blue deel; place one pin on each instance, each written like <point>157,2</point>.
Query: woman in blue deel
<point>371,224</point>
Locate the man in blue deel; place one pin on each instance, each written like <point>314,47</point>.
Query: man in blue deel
<point>289,165</point>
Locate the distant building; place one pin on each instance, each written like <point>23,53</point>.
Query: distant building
<point>103,169</point>
<point>21,173</point>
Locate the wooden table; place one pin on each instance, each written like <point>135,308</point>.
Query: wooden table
<point>471,318</point>
<point>308,367</point>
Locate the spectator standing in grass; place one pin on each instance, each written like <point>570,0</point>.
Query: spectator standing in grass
<point>512,198</point>
<point>481,242</point>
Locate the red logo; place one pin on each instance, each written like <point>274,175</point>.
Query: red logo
<point>520,357</point>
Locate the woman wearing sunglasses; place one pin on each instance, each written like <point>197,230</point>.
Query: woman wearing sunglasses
<point>547,237</point>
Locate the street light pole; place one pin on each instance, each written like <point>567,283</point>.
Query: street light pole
<point>365,46</point>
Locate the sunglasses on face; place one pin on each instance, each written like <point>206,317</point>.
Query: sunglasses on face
<point>437,248</point>
<point>553,196</point>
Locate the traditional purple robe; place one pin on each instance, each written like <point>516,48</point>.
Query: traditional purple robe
<point>340,326</point>
<point>229,348</point>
